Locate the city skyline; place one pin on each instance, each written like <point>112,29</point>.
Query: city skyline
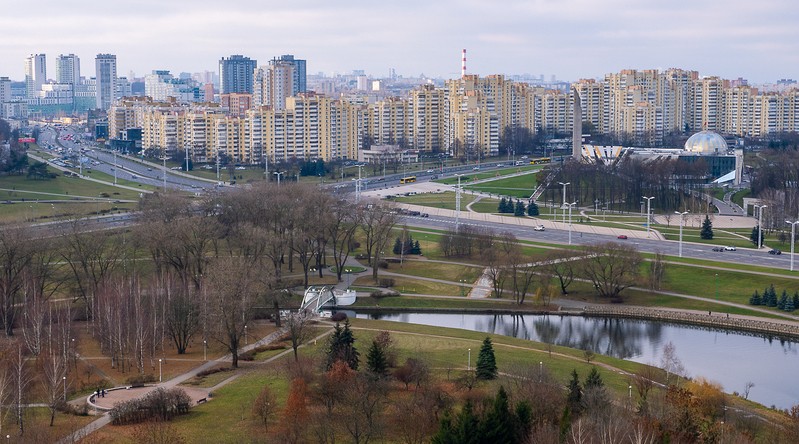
<point>570,39</point>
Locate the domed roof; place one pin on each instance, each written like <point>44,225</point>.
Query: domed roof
<point>706,142</point>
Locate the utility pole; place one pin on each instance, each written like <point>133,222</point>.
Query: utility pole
<point>760,209</point>
<point>682,218</point>
<point>570,220</point>
<point>563,206</point>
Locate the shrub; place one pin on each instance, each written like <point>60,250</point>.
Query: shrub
<point>382,264</point>
<point>386,282</point>
<point>212,371</point>
<point>338,316</point>
<point>140,379</point>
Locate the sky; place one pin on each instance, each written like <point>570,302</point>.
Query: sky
<point>570,39</point>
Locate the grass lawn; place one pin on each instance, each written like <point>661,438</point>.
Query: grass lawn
<point>475,175</point>
<point>437,270</point>
<point>518,186</point>
<point>414,286</point>
<point>65,188</point>
<point>444,200</point>
<point>485,205</point>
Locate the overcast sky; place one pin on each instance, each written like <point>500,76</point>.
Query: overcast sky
<point>571,39</point>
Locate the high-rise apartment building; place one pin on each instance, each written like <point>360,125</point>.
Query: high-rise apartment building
<point>67,69</point>
<point>299,76</point>
<point>236,74</point>
<point>35,74</point>
<point>106,77</point>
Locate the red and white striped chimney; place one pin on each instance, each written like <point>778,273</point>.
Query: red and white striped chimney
<point>463,63</point>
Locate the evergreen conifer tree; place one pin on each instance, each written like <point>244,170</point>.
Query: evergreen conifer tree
<point>575,393</point>
<point>755,299</point>
<point>501,206</point>
<point>497,427</point>
<point>486,361</point>
<point>397,246</point>
<point>445,433</point>
<point>594,379</point>
<point>341,347</point>
<point>532,209</point>
<point>417,248</point>
<point>376,360</point>
<point>519,209</point>
<point>467,425</point>
<point>755,232</point>
<point>707,228</point>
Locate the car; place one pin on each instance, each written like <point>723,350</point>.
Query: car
<point>431,171</point>
<point>538,228</point>
<point>149,169</point>
<point>718,249</point>
<point>425,215</point>
<point>500,165</point>
<point>728,248</point>
<point>240,168</point>
<point>621,236</point>
<point>774,251</point>
<point>476,169</point>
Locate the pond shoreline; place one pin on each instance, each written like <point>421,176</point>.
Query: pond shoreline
<point>718,320</point>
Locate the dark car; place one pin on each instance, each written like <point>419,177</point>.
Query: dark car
<point>774,251</point>
<point>621,236</point>
<point>425,215</point>
<point>718,249</point>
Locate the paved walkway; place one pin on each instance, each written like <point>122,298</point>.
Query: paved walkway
<point>123,395</point>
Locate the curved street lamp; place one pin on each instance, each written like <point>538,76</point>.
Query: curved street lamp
<point>682,219</point>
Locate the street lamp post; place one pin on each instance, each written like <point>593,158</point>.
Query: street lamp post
<point>115,167</point>
<point>563,207</point>
<point>717,286</point>
<point>648,201</point>
<point>64,378</point>
<point>266,163</point>
<point>160,374</point>
<point>793,236</point>
<point>540,370</point>
<point>246,342</point>
<point>458,204</point>
<point>278,174</point>
<point>469,362</point>
<point>205,350</point>
<point>164,159</point>
<point>760,209</point>
<point>682,219</point>
<point>570,205</point>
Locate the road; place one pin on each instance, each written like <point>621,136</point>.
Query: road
<point>121,167</point>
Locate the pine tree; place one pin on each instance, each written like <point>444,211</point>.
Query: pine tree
<point>575,396</point>
<point>594,379</point>
<point>532,209</point>
<point>497,427</point>
<point>417,248</point>
<point>408,245</point>
<point>445,433</point>
<point>397,246</point>
<point>341,347</point>
<point>501,206</point>
<point>376,360</point>
<point>486,362</point>
<point>707,228</point>
<point>755,299</point>
<point>467,425</point>
<point>772,296</point>
<point>783,300</point>
<point>789,305</point>
<point>796,299</point>
<point>519,209</point>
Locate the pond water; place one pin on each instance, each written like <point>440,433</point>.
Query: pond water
<point>728,357</point>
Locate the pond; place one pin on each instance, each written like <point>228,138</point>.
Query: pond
<point>730,358</point>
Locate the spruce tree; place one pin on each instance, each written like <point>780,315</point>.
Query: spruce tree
<point>497,427</point>
<point>574,397</point>
<point>532,209</point>
<point>397,246</point>
<point>376,360</point>
<point>417,249</point>
<point>445,433</point>
<point>341,347</point>
<point>707,228</point>
<point>467,426</point>
<point>519,209</point>
<point>486,362</point>
<point>783,300</point>
<point>594,379</point>
<point>501,206</point>
<point>755,299</point>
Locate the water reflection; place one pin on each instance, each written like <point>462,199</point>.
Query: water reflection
<point>730,358</point>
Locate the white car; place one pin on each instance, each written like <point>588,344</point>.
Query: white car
<point>729,248</point>
<point>431,171</point>
<point>539,228</point>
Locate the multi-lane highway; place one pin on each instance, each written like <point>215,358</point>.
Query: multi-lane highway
<point>671,248</point>
<point>119,166</point>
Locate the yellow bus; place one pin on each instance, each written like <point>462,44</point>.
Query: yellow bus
<point>540,160</point>
<point>409,179</point>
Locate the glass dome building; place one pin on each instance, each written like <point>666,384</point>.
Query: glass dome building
<point>706,143</point>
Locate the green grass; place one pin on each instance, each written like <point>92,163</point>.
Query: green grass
<point>445,200</point>
<point>518,186</point>
<point>485,205</point>
<point>437,270</point>
<point>491,173</point>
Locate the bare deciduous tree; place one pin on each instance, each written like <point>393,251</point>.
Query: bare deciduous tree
<point>611,267</point>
